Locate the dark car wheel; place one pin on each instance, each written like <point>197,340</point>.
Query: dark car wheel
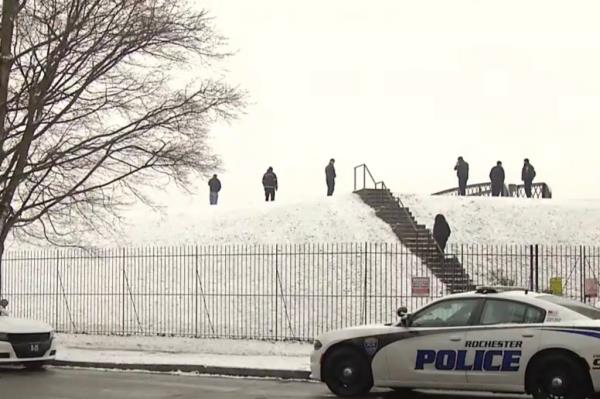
<point>347,372</point>
<point>558,377</point>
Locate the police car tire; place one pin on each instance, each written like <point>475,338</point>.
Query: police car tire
<point>548,367</point>
<point>343,358</point>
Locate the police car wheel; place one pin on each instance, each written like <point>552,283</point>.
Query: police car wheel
<point>347,372</point>
<point>558,377</point>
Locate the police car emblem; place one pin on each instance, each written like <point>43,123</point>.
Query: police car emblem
<point>371,345</point>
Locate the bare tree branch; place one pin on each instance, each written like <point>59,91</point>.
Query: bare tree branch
<point>96,107</point>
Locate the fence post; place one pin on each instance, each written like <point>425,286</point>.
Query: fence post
<point>1,274</point>
<point>537,269</point>
<point>531,263</point>
<point>57,287</point>
<point>365,284</point>
<point>276,293</point>
<point>364,177</point>
<point>582,275</point>
<point>123,288</point>
<point>196,291</point>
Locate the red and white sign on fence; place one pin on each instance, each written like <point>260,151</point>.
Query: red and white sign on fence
<point>591,288</point>
<point>421,286</point>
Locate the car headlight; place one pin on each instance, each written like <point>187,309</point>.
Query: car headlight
<point>3,337</point>
<point>317,344</point>
<point>52,334</point>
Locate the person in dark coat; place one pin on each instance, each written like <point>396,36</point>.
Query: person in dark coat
<point>269,182</point>
<point>214,185</point>
<point>462,172</point>
<point>497,179</point>
<point>527,175</point>
<point>441,231</point>
<point>330,177</point>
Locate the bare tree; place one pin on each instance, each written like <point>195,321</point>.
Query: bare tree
<point>93,107</point>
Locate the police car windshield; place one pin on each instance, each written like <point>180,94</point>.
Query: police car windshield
<point>578,307</point>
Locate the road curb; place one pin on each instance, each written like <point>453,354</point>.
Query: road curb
<point>188,368</point>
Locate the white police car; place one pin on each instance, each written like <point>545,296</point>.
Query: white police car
<point>25,342</point>
<point>493,339</point>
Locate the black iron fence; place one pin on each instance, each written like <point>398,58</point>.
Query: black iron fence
<point>538,190</point>
<point>274,292</point>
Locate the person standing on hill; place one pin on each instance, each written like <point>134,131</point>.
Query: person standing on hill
<point>462,172</point>
<point>269,182</point>
<point>441,231</point>
<point>497,178</point>
<point>330,177</point>
<point>527,175</point>
<point>214,185</point>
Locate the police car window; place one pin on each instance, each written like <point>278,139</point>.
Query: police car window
<point>506,312</point>
<point>453,313</point>
<point>578,307</point>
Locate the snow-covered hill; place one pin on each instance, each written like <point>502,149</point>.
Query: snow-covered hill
<point>344,218</point>
<point>482,220</point>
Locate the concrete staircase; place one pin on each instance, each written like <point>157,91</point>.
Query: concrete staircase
<point>417,238</point>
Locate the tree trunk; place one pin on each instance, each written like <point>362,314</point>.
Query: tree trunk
<point>9,10</point>
<point>1,269</point>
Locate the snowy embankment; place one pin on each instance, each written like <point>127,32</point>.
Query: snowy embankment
<point>207,272</point>
<point>340,219</point>
<point>498,221</point>
<point>184,351</point>
<point>492,237</point>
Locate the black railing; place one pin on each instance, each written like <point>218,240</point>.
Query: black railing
<point>538,190</point>
<point>380,185</point>
<point>366,183</point>
<point>274,292</point>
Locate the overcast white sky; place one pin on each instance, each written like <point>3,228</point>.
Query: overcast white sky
<point>406,87</point>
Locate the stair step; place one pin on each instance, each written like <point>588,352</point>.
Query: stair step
<point>417,238</point>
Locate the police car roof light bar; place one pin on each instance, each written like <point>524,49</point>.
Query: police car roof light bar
<point>499,289</point>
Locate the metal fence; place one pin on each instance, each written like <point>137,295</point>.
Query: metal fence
<point>538,190</point>
<point>274,292</point>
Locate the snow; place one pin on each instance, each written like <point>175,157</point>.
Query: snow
<point>492,237</point>
<point>496,221</point>
<point>174,289</point>
<point>240,288</point>
<point>342,218</point>
<point>184,351</point>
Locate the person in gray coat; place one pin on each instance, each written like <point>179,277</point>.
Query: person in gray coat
<point>497,179</point>
<point>270,185</point>
<point>214,185</point>
<point>330,177</point>
<point>527,176</point>
<point>462,172</point>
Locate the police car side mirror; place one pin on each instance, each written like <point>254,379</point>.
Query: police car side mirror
<point>3,303</point>
<point>402,311</point>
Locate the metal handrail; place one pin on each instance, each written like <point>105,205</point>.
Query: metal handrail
<point>511,190</point>
<point>394,197</point>
<point>365,172</point>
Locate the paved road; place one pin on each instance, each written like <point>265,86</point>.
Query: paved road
<point>56,383</point>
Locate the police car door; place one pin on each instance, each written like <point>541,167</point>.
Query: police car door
<point>428,355</point>
<point>502,343</point>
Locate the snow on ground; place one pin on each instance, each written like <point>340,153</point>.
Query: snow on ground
<point>288,292</point>
<point>342,218</point>
<point>492,237</point>
<point>239,288</point>
<point>184,351</point>
<point>496,221</point>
